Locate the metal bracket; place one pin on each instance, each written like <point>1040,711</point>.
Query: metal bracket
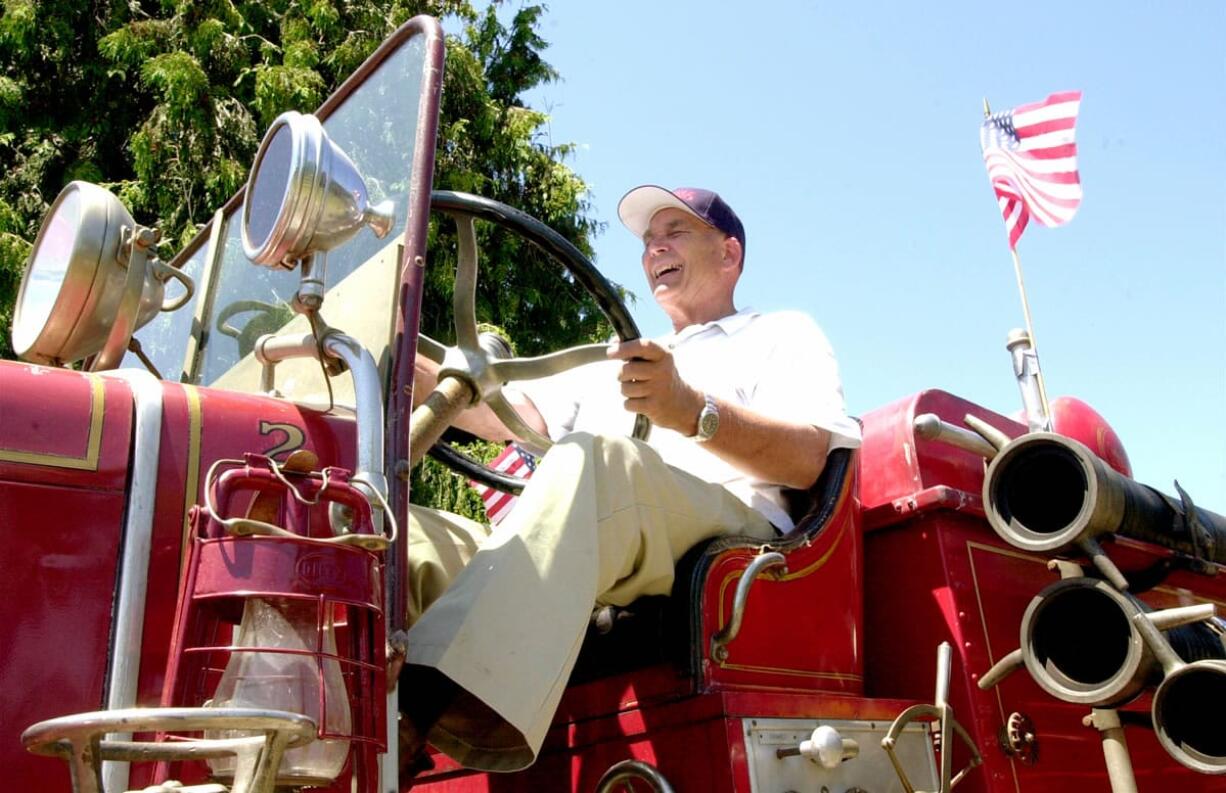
<point>943,714</point>
<point>1115,749</point>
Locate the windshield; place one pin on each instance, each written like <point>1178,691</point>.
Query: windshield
<point>375,124</point>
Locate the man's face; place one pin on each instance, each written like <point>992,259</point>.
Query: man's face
<point>686,261</point>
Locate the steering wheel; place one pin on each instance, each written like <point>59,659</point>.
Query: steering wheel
<point>487,370</point>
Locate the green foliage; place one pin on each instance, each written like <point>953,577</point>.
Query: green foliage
<point>435,485</point>
<point>164,101</point>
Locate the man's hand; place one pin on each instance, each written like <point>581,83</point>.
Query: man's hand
<point>651,385</point>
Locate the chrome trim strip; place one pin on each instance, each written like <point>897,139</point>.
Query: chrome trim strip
<point>129,614</point>
<point>389,761</point>
<point>191,487</point>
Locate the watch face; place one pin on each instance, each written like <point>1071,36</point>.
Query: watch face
<point>708,423</point>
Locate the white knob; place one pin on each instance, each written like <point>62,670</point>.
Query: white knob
<point>827,748</point>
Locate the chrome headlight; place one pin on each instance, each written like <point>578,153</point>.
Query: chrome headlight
<point>304,195</point>
<point>90,282</point>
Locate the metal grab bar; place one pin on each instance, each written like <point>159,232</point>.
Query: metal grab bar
<point>368,476</point>
<point>761,563</point>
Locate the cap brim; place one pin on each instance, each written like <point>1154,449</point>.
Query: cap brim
<point>639,206</point>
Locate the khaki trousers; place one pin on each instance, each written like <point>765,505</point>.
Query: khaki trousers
<point>502,614</point>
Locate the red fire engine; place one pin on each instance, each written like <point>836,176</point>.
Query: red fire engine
<point>204,580</point>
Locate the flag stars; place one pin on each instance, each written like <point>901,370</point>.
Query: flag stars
<point>999,132</point>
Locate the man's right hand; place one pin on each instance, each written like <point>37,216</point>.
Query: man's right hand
<point>653,387</point>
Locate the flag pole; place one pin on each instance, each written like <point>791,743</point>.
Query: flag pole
<point>1034,345</point>
<point>1021,288</point>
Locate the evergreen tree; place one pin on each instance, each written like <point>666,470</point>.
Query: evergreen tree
<point>164,102</point>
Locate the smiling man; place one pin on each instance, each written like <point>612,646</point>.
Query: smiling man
<point>744,405</point>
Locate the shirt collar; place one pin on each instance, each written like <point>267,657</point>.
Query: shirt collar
<point>729,325</point>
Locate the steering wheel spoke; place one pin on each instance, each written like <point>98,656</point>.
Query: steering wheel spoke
<point>464,300</point>
<point>430,348</point>
<point>536,442</point>
<point>551,364</point>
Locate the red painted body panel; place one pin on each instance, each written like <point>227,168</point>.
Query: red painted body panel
<point>1075,419</point>
<point>817,605</point>
<point>60,529</point>
<point>898,469</point>
<point>57,579</point>
<point>640,688</point>
<point>965,586</point>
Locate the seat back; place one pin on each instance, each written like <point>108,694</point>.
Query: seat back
<point>801,626</point>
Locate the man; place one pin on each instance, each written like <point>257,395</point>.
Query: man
<point>743,405</point>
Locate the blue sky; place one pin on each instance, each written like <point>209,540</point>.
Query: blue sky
<point>846,137</point>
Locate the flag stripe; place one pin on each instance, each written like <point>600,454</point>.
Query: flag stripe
<point>1055,100</point>
<point>1035,203</point>
<point>1066,151</point>
<point>1057,191</point>
<point>1041,137</point>
<point>1066,195</point>
<point>1039,114</point>
<point>1002,166</point>
<point>1014,212</point>
<point>1043,167</point>
<point>1040,123</point>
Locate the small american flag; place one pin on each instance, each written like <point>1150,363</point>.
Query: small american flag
<point>514,461</point>
<point>1032,162</point>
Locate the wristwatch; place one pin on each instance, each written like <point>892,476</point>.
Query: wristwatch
<point>708,420</point>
